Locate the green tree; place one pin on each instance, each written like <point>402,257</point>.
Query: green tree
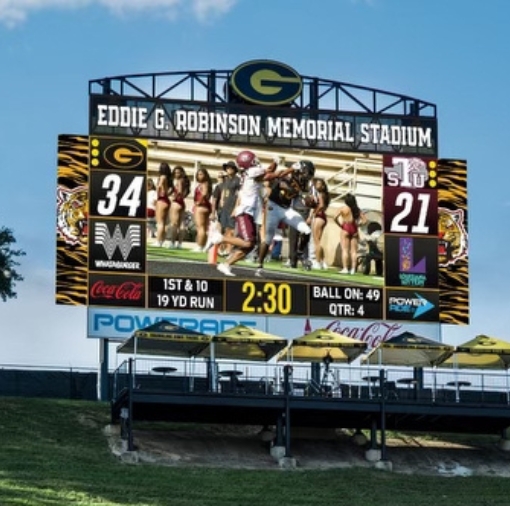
<point>8,263</point>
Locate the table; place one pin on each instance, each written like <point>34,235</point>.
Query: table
<point>371,380</point>
<point>164,370</point>
<point>233,376</point>
<point>407,381</point>
<point>230,374</point>
<point>458,385</point>
<point>412,384</point>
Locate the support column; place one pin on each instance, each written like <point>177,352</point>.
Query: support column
<point>382,382</point>
<point>104,378</point>
<point>373,454</point>
<point>277,451</point>
<point>287,461</point>
<point>504,442</point>
<point>287,378</point>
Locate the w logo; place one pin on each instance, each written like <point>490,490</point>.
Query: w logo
<point>125,243</point>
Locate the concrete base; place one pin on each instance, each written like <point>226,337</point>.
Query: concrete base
<point>504,444</point>
<point>384,465</point>
<point>287,463</point>
<point>373,455</point>
<point>359,439</point>
<point>111,430</point>
<point>277,452</point>
<point>130,457</point>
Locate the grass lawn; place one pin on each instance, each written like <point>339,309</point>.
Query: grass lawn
<point>52,453</point>
<point>330,275</point>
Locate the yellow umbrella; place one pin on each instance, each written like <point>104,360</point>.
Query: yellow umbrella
<point>165,339</point>
<point>323,345</point>
<point>245,343</point>
<point>482,352</point>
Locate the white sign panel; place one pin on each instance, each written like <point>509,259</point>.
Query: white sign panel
<point>373,333</point>
<point>119,324</point>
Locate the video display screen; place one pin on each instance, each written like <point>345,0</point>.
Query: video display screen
<point>249,199</point>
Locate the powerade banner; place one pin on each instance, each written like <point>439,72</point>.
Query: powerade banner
<point>119,324</point>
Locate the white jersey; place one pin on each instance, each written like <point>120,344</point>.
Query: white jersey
<point>250,195</point>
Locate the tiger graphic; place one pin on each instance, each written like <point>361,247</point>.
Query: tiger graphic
<point>72,214</point>
<point>453,241</point>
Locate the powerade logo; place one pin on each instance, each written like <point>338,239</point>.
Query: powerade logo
<point>408,305</point>
<point>266,82</point>
<point>111,325</point>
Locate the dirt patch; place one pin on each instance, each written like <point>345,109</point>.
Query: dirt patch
<point>244,448</point>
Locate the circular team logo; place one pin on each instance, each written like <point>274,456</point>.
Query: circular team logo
<point>123,156</point>
<point>266,82</point>
<point>118,154</point>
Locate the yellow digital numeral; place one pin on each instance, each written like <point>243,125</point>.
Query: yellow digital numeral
<point>270,303</point>
<point>278,298</point>
<point>249,288</point>
<point>284,298</point>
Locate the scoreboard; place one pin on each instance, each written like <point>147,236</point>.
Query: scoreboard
<point>415,201</point>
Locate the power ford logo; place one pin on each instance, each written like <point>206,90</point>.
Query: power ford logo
<point>266,82</point>
<point>412,305</point>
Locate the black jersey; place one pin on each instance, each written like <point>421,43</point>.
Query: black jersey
<point>284,191</point>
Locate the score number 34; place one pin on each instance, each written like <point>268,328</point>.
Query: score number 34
<point>130,198</point>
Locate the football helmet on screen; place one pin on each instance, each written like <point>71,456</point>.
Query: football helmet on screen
<point>247,159</point>
<point>304,171</point>
<point>307,169</point>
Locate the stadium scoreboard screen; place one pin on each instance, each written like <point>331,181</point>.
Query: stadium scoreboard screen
<point>410,246</point>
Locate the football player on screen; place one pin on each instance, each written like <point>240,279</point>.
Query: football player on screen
<point>289,201</point>
<point>248,208</point>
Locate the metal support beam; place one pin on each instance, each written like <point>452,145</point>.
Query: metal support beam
<point>104,379</point>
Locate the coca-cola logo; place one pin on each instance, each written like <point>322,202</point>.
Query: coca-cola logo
<point>127,292</point>
<point>373,334</point>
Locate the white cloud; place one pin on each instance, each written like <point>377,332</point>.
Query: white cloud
<point>14,12</point>
<point>204,9</point>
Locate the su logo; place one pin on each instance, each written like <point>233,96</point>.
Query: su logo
<point>266,82</point>
<point>118,154</point>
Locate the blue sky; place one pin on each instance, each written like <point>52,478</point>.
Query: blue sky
<point>454,54</point>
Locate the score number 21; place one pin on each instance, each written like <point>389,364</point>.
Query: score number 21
<point>406,201</point>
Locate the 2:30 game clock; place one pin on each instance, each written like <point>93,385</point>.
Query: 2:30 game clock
<point>266,298</point>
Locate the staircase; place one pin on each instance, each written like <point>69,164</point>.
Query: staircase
<point>360,177</point>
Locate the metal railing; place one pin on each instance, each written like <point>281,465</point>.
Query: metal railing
<point>402,384</point>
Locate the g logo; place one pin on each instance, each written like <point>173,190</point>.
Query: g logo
<point>123,156</point>
<point>119,154</point>
<point>266,82</point>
